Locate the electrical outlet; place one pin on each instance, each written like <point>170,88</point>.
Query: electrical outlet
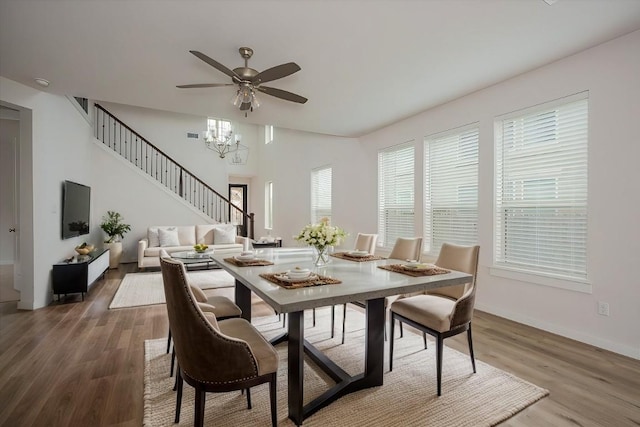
<point>603,308</point>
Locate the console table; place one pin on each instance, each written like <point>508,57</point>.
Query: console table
<point>78,273</point>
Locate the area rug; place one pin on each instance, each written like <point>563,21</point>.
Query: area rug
<point>407,398</point>
<point>138,289</point>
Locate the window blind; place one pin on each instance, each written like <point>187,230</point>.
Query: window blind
<point>541,190</point>
<point>451,189</point>
<point>395,194</point>
<point>320,194</point>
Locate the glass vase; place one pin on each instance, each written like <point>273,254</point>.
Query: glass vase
<point>321,255</point>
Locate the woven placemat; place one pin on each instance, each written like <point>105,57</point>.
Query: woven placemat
<point>248,263</point>
<point>345,255</point>
<point>318,281</point>
<point>398,268</point>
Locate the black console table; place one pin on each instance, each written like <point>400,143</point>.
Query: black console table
<point>78,273</point>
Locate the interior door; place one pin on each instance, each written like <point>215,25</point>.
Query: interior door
<point>9,135</point>
<point>238,198</point>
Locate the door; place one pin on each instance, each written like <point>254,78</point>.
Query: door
<point>9,136</point>
<point>238,198</point>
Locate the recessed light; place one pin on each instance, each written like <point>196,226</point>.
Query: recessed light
<point>42,82</point>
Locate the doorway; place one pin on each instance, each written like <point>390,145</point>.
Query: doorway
<point>238,198</point>
<point>9,139</point>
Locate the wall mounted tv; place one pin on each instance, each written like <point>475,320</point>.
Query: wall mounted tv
<point>76,199</point>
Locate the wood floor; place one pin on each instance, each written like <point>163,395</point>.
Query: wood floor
<point>77,363</point>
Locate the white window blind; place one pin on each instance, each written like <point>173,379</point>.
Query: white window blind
<point>320,194</point>
<point>541,193</point>
<point>268,205</point>
<point>451,189</point>
<point>395,194</point>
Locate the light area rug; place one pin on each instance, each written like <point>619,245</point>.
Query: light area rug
<point>407,398</point>
<point>137,289</point>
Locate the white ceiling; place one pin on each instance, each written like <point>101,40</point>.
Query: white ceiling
<point>365,63</point>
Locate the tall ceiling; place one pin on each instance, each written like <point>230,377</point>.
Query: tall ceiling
<point>365,63</point>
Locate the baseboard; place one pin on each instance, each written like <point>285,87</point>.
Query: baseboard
<point>564,332</point>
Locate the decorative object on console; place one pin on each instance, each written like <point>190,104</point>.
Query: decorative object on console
<point>114,227</point>
<point>321,237</point>
<point>84,248</point>
<point>249,81</point>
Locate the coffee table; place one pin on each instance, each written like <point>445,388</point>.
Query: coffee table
<point>193,260</point>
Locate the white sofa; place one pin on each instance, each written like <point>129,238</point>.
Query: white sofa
<point>219,237</point>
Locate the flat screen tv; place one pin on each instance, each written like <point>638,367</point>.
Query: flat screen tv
<point>76,199</point>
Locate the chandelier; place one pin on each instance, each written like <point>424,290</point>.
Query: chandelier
<point>219,139</point>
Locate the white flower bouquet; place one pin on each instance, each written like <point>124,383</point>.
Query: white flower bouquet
<point>321,236</point>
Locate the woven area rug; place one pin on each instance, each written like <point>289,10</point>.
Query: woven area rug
<point>138,289</point>
<point>407,398</point>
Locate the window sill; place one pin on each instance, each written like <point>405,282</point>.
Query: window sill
<point>540,279</point>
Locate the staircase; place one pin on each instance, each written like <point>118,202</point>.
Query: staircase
<point>130,145</point>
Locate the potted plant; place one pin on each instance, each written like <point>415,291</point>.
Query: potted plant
<point>114,227</point>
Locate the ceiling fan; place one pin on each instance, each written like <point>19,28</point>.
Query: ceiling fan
<point>249,80</point>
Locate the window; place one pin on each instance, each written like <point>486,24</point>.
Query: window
<point>320,194</point>
<point>395,194</point>
<point>451,188</point>
<point>268,205</point>
<point>268,134</point>
<point>219,128</point>
<point>541,190</point>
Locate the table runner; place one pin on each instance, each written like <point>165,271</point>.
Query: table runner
<point>398,268</point>
<point>248,263</point>
<point>345,255</point>
<point>318,281</point>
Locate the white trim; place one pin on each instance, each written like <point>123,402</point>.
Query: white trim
<point>542,279</point>
<point>553,328</point>
<point>85,114</point>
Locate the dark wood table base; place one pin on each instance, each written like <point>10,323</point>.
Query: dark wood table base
<point>298,346</point>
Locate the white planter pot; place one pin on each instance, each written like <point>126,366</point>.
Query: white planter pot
<point>115,253</point>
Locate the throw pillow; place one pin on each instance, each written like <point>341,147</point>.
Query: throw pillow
<point>168,236</point>
<point>224,234</point>
<point>152,236</point>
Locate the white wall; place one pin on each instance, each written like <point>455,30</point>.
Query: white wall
<point>288,162</point>
<point>53,147</point>
<point>610,73</point>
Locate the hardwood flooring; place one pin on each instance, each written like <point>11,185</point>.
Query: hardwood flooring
<point>77,363</point>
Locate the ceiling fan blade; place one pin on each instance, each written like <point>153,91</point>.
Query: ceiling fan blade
<point>282,94</point>
<point>276,72</point>
<point>215,64</point>
<point>245,106</point>
<point>204,85</point>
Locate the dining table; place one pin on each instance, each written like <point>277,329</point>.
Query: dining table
<point>356,281</point>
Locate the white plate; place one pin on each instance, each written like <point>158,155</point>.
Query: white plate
<point>358,254</point>
<point>245,258</point>
<point>418,267</point>
<point>288,279</point>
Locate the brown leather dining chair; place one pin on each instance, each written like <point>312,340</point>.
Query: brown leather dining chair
<point>442,312</point>
<point>214,356</point>
<point>403,249</point>
<point>222,307</point>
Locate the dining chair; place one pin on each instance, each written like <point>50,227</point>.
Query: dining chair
<point>364,242</point>
<point>442,312</point>
<point>222,307</point>
<point>403,249</point>
<point>214,356</point>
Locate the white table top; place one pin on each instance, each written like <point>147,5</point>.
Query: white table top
<point>360,280</point>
